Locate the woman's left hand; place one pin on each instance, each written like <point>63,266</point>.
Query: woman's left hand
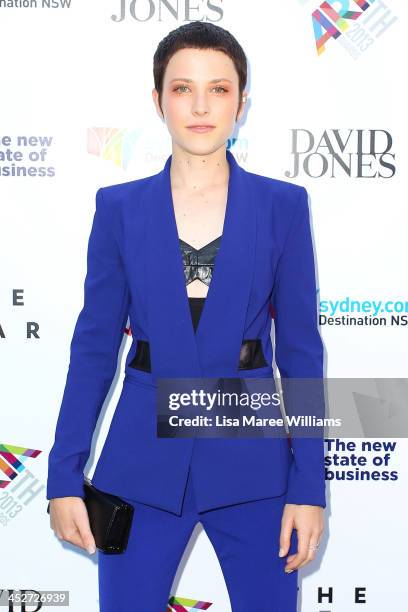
<point>309,523</point>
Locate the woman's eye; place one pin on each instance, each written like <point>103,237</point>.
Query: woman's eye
<point>185,86</point>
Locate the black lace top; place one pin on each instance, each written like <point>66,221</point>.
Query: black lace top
<point>198,263</point>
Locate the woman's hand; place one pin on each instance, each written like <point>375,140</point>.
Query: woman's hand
<point>309,523</point>
<point>70,522</point>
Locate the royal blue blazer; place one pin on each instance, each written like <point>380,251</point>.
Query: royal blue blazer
<point>265,266</point>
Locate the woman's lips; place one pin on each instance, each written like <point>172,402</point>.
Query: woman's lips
<point>201,129</point>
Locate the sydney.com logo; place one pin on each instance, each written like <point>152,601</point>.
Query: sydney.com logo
<point>350,311</point>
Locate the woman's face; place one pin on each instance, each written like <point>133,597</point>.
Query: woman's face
<point>200,87</point>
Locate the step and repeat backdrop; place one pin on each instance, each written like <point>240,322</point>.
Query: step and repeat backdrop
<point>327,110</point>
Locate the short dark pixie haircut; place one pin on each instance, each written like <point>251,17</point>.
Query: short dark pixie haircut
<point>198,35</point>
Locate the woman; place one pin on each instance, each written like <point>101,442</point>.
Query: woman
<point>196,255</point>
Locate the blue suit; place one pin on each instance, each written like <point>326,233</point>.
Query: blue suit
<point>134,269</point>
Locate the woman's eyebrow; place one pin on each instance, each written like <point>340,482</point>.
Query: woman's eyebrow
<point>191,80</point>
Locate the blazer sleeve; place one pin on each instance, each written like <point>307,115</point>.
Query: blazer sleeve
<point>299,348</point>
<point>94,349</point>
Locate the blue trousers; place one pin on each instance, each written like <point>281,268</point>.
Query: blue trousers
<point>245,538</point>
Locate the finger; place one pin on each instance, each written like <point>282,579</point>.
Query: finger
<point>88,541</point>
<point>302,552</point>
<point>72,536</point>
<point>82,523</point>
<point>312,550</point>
<point>284,537</point>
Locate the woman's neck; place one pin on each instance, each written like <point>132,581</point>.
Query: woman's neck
<point>192,171</point>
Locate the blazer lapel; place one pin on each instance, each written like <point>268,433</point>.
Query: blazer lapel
<point>176,351</point>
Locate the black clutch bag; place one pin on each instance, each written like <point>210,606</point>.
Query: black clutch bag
<point>110,518</point>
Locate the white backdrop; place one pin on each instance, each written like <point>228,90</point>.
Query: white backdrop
<point>79,84</point>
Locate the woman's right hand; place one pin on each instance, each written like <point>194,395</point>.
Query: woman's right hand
<point>70,522</point>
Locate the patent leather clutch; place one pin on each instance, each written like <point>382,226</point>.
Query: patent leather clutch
<point>110,518</point>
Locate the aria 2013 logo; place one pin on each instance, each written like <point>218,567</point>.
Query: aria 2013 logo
<point>355,24</point>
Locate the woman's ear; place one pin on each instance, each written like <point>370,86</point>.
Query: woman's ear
<point>155,96</point>
<point>243,100</point>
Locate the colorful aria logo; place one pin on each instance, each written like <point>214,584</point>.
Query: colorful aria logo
<point>10,465</point>
<point>330,23</point>
<point>181,604</point>
<point>113,144</point>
